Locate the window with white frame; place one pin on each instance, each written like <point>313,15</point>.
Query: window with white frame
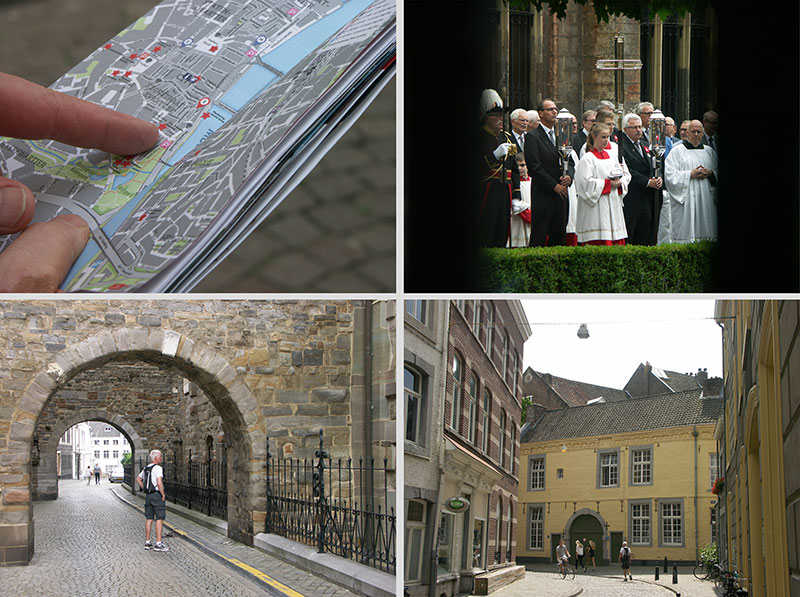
<point>413,390</point>
<point>512,448</point>
<point>671,523</point>
<point>640,523</point>
<point>609,468</point>
<point>713,525</point>
<point>487,417</point>
<point>105,453</point>
<point>458,373</point>
<point>509,529</point>
<point>97,453</point>
<point>501,456</point>
<point>505,355</point>
<point>476,318</point>
<point>473,407</point>
<point>514,373</point>
<point>535,528</point>
<point>461,305</point>
<point>415,539</point>
<point>445,543</point>
<point>536,473</point>
<point>641,466</point>
<point>417,309</point>
<point>489,328</point>
<point>115,454</point>
<point>713,469</point>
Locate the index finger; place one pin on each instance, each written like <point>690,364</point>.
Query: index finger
<point>30,111</point>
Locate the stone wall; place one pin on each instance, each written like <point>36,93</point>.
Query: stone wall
<point>281,368</point>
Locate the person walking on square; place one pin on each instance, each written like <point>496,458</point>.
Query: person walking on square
<point>590,555</point>
<point>579,554</point>
<point>97,474</point>
<point>151,481</point>
<point>88,475</point>
<point>625,560</point>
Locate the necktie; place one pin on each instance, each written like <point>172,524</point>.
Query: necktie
<point>639,148</point>
<point>521,142</point>
<point>552,137</point>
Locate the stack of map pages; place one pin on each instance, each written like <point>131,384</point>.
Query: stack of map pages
<point>248,95</point>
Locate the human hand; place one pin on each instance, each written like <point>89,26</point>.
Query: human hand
<point>561,190</point>
<point>615,182</point>
<point>699,172</point>
<point>565,180</point>
<point>501,151</point>
<point>655,183</point>
<point>41,256</point>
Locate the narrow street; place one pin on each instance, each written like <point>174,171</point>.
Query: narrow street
<point>88,542</point>
<point>606,582</point>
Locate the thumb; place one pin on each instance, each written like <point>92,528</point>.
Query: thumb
<point>41,257</point>
<point>16,206</point>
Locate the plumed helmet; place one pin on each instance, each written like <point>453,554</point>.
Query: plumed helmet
<point>490,102</point>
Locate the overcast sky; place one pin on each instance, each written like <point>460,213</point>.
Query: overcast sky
<point>675,334</point>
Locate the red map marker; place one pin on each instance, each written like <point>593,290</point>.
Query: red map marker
<point>115,73</point>
<point>214,48</point>
<point>204,101</point>
<point>128,73</point>
<point>133,56</point>
<point>205,115</point>
<point>157,48</point>
<point>162,126</point>
<point>143,216</point>
<point>107,46</point>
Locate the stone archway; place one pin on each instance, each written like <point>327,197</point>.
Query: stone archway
<point>591,524</point>
<point>45,479</point>
<point>232,398</point>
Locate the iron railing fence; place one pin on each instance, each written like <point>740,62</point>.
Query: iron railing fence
<point>332,505</point>
<point>201,486</point>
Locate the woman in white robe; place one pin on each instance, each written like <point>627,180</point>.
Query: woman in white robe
<point>601,183</point>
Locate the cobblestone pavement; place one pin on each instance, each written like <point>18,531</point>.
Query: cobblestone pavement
<point>605,582</point>
<point>334,233</point>
<point>88,543</point>
<point>296,578</point>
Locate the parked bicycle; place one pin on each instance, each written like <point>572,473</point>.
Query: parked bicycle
<point>730,583</point>
<point>707,570</point>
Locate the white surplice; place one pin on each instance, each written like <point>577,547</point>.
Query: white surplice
<point>600,215</point>
<point>693,201</point>
<point>520,230</point>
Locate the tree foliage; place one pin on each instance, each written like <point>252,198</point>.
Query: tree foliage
<point>604,9</point>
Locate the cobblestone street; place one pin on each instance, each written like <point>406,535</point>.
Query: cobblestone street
<point>605,582</point>
<point>87,542</point>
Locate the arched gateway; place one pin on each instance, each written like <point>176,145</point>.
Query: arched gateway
<point>232,398</point>
<point>588,524</point>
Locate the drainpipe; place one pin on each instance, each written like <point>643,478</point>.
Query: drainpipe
<point>368,415</point>
<point>696,522</point>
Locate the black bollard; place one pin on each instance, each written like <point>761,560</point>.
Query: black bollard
<point>674,574</point>
<point>656,572</point>
<point>665,564</point>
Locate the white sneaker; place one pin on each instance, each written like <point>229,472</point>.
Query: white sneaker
<point>160,547</point>
<point>147,545</point>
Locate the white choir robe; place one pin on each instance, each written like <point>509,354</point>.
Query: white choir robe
<point>693,202</point>
<point>665,220</point>
<point>520,230</point>
<point>573,201</point>
<point>600,216</point>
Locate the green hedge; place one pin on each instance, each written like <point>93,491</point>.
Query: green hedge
<point>591,269</point>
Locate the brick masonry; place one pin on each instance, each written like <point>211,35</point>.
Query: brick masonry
<point>284,368</point>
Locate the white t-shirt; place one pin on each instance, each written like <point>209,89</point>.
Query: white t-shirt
<point>623,550</point>
<point>154,476</point>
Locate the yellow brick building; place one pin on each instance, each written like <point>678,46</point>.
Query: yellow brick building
<point>639,470</point>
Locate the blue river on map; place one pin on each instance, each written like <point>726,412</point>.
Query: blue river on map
<point>295,49</point>
<point>255,80</point>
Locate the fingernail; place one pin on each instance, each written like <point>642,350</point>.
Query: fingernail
<point>12,205</point>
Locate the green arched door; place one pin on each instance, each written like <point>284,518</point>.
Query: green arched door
<point>589,528</point>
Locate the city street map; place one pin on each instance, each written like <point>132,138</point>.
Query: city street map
<point>248,96</point>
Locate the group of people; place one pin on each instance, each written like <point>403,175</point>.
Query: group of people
<point>614,190</point>
<point>92,473</point>
<point>586,550</point>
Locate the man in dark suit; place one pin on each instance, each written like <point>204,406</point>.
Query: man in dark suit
<point>710,122</point>
<point>640,203</point>
<point>519,126</point>
<point>579,138</point>
<point>549,188</point>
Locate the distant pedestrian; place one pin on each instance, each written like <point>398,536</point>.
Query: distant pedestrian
<point>151,481</point>
<point>590,555</point>
<point>88,475</point>
<point>579,554</point>
<point>625,560</point>
<point>97,474</point>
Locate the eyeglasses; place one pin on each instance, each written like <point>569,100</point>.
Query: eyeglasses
<point>645,112</point>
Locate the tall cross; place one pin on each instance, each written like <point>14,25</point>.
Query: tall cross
<point>619,64</point>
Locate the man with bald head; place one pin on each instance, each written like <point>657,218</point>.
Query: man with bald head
<point>710,121</point>
<point>691,174</point>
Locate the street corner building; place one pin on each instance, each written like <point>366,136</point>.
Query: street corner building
<point>635,469</point>
<point>759,444</point>
<point>237,389</point>
<point>463,406</point>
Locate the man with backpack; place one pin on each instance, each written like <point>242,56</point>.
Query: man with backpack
<point>625,560</point>
<point>151,481</point>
